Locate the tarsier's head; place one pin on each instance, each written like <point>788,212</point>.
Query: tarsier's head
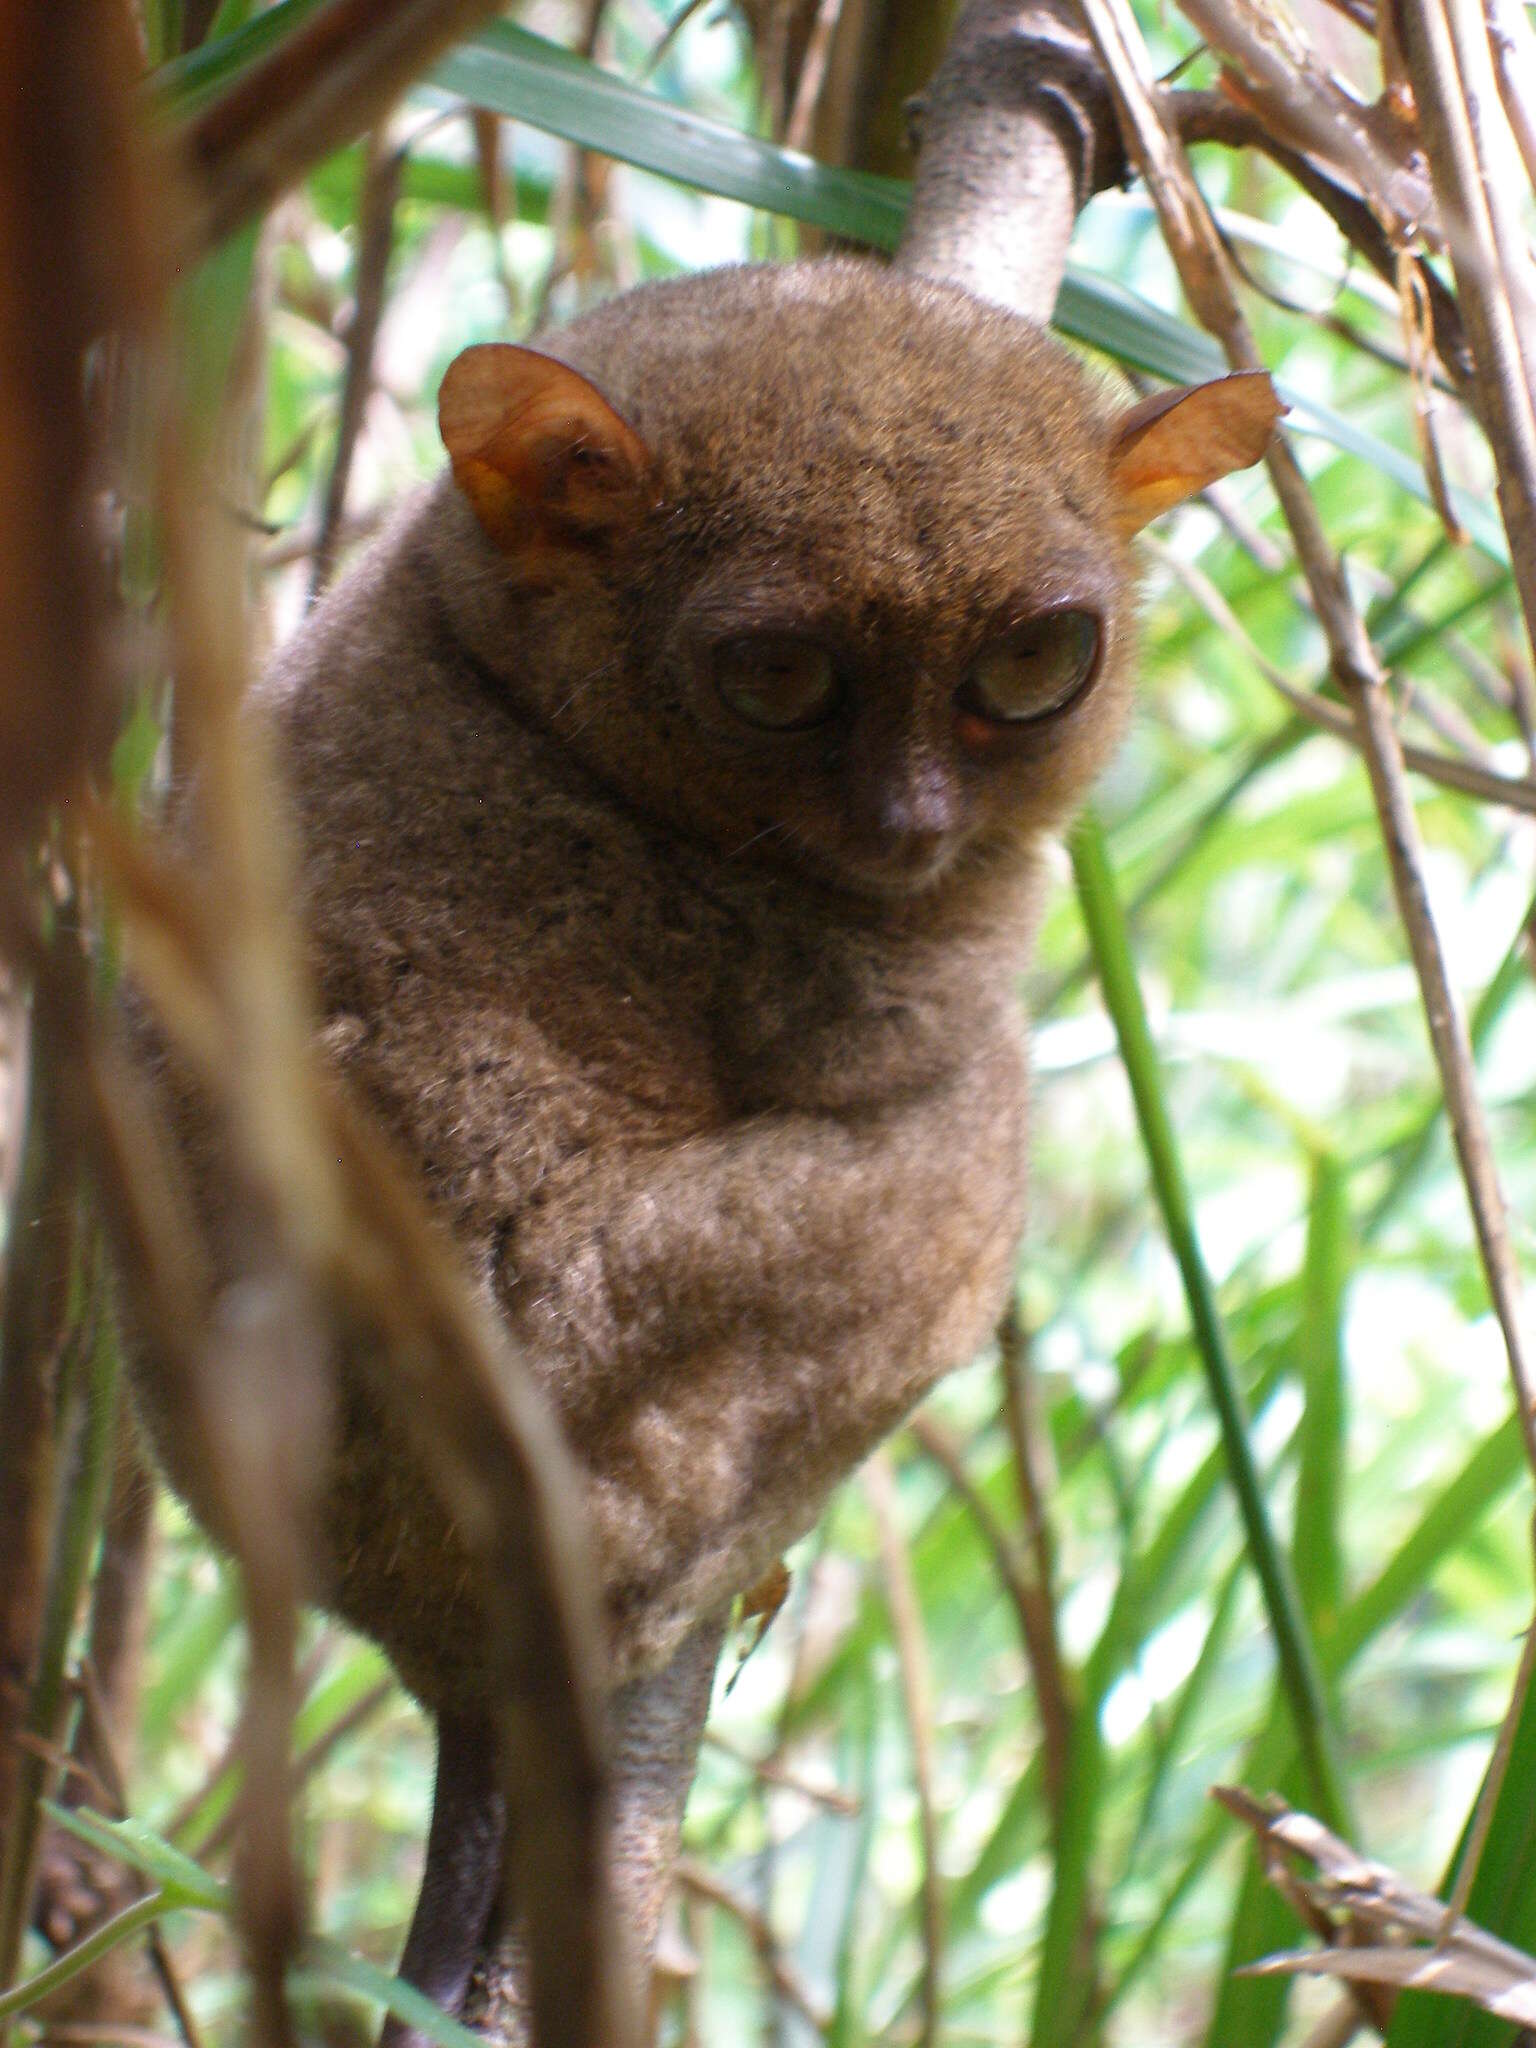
<point>826,563</point>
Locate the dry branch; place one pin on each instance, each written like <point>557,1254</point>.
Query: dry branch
<point>375,242</point>
<point>1385,1936</point>
<point>1031,1605</point>
<point>1446,49</point>
<point>1196,249</point>
<point>1305,106</point>
<point>323,85</point>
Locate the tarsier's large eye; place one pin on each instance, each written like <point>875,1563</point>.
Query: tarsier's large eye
<point>1034,670</point>
<point>775,680</point>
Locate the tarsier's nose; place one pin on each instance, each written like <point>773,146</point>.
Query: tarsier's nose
<point>917,806</point>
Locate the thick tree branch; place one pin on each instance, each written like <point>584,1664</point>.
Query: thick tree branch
<point>1014,136</point>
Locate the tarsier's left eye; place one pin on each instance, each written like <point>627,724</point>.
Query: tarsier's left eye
<point>777,681</point>
<point>1034,670</point>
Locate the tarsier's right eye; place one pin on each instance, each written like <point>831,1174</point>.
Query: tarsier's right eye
<point>775,681</point>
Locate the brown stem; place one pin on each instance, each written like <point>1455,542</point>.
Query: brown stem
<point>63,122</point>
<point>701,1883</point>
<point>1297,97</point>
<point>1436,43</point>
<point>917,1697</point>
<point>375,242</point>
<point>1215,117</point>
<point>1513,45</point>
<point>325,82</point>
<point>1031,1605</point>
<point>1014,135</point>
<point>1452,771</point>
<point>32,1340</point>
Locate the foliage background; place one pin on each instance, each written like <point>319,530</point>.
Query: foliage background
<point>873,1802</point>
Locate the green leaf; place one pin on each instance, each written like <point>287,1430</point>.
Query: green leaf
<point>1316,1544</point>
<point>183,1882</point>
<point>1299,1673</point>
<point>513,72</point>
<point>133,754</point>
<point>123,1926</point>
<point>187,82</point>
<point>326,1966</point>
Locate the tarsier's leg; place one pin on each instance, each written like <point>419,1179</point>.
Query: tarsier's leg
<point>655,1727</point>
<point>461,1883</point>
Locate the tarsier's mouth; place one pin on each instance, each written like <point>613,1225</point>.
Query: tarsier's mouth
<point>903,865</point>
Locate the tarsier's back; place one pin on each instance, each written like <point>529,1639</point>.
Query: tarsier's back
<point>670,783</point>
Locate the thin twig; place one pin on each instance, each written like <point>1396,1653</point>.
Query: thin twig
<point>1031,1604</point>
<point>1513,44</point>
<point>1205,117</point>
<point>1517,792</point>
<point>298,543</point>
<point>786,1979</point>
<point>1446,49</point>
<point>308,1761</point>
<point>375,241</point>
<point>773,1771</point>
<point>917,1697</point>
<point>813,75</point>
<point>669,36</point>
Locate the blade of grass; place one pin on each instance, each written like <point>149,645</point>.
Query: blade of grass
<point>1297,1657</point>
<point>525,77</point>
<point>1316,1544</point>
<point>1253,2009</point>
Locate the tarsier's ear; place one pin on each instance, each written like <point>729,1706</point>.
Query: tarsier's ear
<point>1168,447</point>
<point>539,453</point>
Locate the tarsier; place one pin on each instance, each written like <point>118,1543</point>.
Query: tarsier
<point>671,783</point>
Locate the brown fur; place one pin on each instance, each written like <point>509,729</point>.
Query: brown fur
<point>704,1041</point>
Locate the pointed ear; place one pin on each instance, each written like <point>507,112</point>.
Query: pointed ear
<point>1168,447</point>
<point>539,453</point>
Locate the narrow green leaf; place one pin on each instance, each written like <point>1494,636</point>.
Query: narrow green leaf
<point>1065,1981</point>
<point>1299,1671</point>
<point>523,76</point>
<point>1453,1515</point>
<point>1316,1544</point>
<point>183,1882</point>
<point>1449,1520</point>
<point>326,1966</point>
<point>1170,1735</point>
<point>203,1623</point>
<point>123,1926</point>
<point>186,82</point>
